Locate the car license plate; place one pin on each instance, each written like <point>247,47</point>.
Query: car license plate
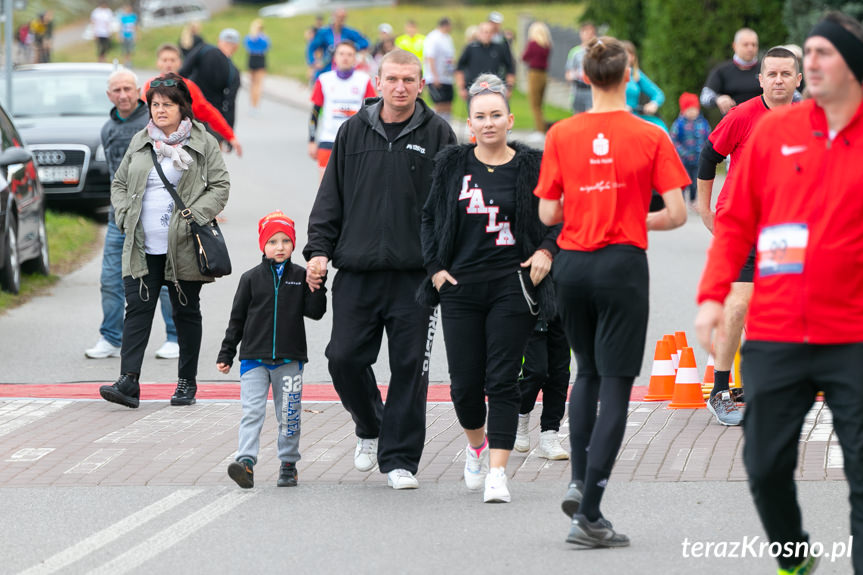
<point>60,174</point>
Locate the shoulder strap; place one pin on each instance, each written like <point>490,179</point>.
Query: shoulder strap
<point>184,211</point>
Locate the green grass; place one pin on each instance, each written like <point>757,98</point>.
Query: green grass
<point>287,56</point>
<point>71,240</point>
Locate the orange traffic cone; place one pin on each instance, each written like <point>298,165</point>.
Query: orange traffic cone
<point>707,382</point>
<point>672,349</point>
<point>687,387</point>
<point>661,385</point>
<point>680,339</point>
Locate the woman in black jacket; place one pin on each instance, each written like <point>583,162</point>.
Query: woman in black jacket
<point>487,256</point>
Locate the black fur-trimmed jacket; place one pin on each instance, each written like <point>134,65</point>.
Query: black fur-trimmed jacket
<point>440,218</point>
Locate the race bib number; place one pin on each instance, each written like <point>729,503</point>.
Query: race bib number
<point>782,249</point>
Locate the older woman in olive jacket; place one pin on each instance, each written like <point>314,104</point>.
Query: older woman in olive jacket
<point>158,248</point>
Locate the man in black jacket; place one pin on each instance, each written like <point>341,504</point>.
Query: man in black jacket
<point>211,68</point>
<point>366,218</point>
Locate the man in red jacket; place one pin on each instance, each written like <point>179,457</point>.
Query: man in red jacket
<point>796,196</point>
<point>168,61</point>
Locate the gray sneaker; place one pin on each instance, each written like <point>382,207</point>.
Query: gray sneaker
<point>724,409</point>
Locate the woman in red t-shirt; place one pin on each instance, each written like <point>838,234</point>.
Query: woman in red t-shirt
<point>597,174</point>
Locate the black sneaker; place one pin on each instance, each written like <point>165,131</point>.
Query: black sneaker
<point>185,392</point>
<point>599,533</point>
<point>572,499</point>
<point>243,473</point>
<point>287,475</point>
<point>125,391</point>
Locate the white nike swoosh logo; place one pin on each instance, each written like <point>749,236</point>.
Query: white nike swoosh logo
<point>789,150</point>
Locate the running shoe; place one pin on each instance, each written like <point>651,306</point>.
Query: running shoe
<point>805,568</point>
<point>572,500</point>
<point>366,454</point>
<point>736,394</point>
<point>724,409</point>
<point>103,349</point>
<point>599,533</point>
<point>475,467</point>
<point>522,433</point>
<point>242,472</point>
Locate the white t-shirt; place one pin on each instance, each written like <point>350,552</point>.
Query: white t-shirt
<point>101,22</point>
<point>440,47</point>
<point>340,99</point>
<point>157,206</point>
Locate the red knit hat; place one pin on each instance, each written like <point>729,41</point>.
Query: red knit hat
<point>275,222</point>
<point>688,100</point>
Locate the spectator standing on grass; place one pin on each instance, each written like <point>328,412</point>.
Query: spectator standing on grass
<point>411,40</point>
<point>128,33</point>
<point>439,53</point>
<point>734,81</point>
<point>101,24</point>
<point>581,98</point>
<point>128,117</point>
<point>535,56</point>
<point>257,45</point>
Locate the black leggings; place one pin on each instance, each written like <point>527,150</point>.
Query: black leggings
<point>486,326</point>
<point>142,295</point>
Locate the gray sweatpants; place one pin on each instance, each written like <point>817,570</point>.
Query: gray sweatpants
<point>287,383</point>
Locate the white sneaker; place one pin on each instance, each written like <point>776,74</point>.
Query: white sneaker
<point>103,349</point>
<point>522,434</point>
<point>402,479</point>
<point>169,350</point>
<point>549,446</point>
<point>366,454</point>
<point>475,467</point>
<point>496,490</point>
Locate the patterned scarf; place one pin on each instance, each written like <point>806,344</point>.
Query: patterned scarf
<point>172,146</point>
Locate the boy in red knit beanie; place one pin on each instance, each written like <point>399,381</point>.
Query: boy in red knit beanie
<point>267,315</point>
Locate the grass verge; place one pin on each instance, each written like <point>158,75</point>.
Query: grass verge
<point>71,241</point>
<point>287,55</point>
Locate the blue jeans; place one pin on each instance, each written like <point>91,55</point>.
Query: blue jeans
<point>113,294</point>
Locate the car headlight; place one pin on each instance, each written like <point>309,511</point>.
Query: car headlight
<point>100,154</point>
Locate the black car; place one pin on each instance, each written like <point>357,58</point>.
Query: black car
<point>23,242</point>
<point>60,110</point>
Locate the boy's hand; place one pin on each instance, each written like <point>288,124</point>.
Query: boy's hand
<point>223,367</point>
<point>316,271</point>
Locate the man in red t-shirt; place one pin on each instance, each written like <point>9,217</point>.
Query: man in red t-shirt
<point>796,196</point>
<point>779,77</point>
<point>168,61</point>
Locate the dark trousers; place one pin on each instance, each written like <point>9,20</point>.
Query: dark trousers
<point>692,172</point>
<point>486,326</point>
<point>142,295</point>
<point>782,380</point>
<point>546,368</point>
<point>364,304</point>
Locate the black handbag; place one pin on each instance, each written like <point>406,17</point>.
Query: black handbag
<point>211,251</point>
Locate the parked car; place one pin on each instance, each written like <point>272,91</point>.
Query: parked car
<point>155,13</point>
<point>24,242</point>
<point>59,110</point>
<point>299,7</point>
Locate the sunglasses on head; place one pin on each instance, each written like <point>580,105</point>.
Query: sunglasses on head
<point>169,83</point>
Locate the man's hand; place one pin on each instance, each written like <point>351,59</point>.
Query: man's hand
<point>707,216</point>
<point>440,277</point>
<point>237,147</point>
<point>708,321</point>
<point>539,264</point>
<point>316,271</point>
<point>223,367</point>
<point>725,103</point>
<point>313,150</point>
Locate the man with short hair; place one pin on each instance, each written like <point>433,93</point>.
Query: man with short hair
<point>779,78</point>
<point>439,53</point>
<point>211,68</point>
<point>128,117</point>
<point>411,40</point>
<point>581,99</point>
<point>484,57</point>
<point>326,39</point>
<point>366,219</point>
<point>169,61</point>
<point>734,81</point>
<point>796,195</point>
<point>337,95</point>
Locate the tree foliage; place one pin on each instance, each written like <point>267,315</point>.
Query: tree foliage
<point>800,15</point>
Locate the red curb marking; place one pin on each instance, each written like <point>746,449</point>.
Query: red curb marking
<point>311,391</point>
